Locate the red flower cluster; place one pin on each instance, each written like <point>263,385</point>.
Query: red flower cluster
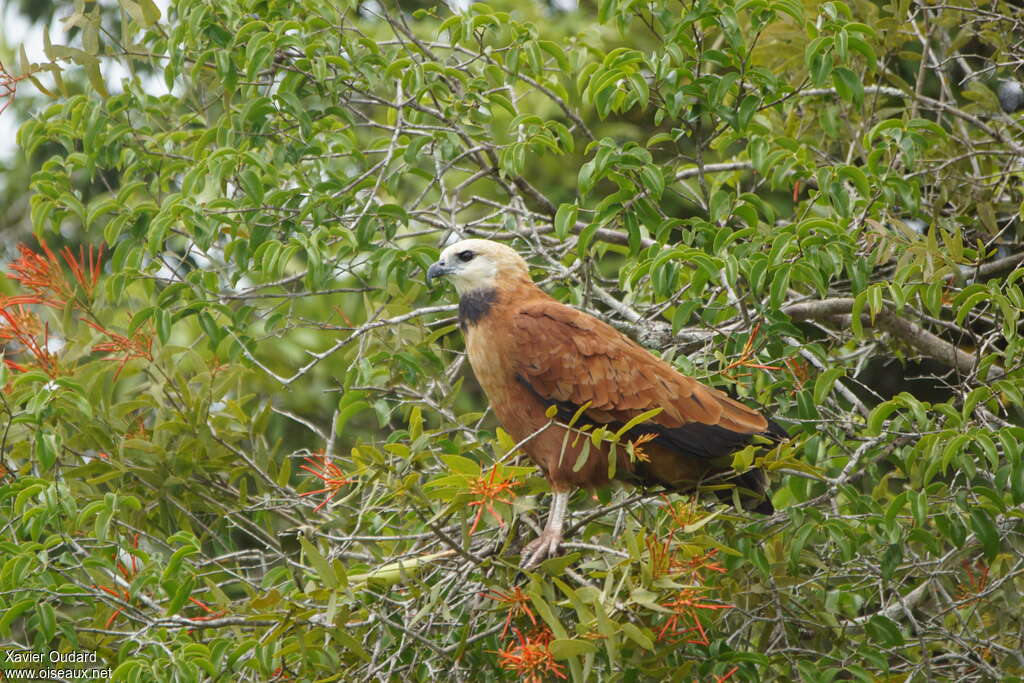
<point>701,563</point>
<point>530,656</point>
<point>8,87</point>
<point>329,473</point>
<point>976,583</point>
<point>684,612</point>
<point>747,358</point>
<point>685,606</point>
<point>210,614</point>
<point>489,492</point>
<point>43,276</point>
<point>129,574</point>
<point>121,594</point>
<point>661,550</point>
<point>517,603</point>
<point>727,675</point>
<point>639,453</point>
<point>139,345</point>
<point>21,325</point>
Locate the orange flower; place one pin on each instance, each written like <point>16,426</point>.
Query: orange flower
<point>489,492</point>
<point>121,594</point>
<point>24,327</point>
<point>17,319</point>
<point>638,452</point>
<point>531,657</point>
<point>684,610</point>
<point>329,473</point>
<point>701,563</point>
<point>86,274</point>
<point>8,87</point>
<point>976,581</point>
<point>683,513</point>
<point>210,614</point>
<point>728,675</point>
<point>800,370</point>
<point>42,274</point>
<point>128,574</point>
<point>661,551</point>
<point>747,356</point>
<point>138,346</point>
<point>517,603</point>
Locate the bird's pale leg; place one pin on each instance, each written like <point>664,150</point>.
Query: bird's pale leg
<point>546,545</point>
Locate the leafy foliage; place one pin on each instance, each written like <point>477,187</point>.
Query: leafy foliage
<point>239,442</point>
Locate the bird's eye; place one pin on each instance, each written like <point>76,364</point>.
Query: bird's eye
<point>465,256</point>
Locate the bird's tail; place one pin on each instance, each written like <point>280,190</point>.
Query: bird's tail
<point>753,484</point>
<point>775,431</point>
<point>754,493</point>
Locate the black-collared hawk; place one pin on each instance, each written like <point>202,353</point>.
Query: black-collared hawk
<point>530,352</point>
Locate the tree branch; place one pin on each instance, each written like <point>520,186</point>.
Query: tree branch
<point>915,336</point>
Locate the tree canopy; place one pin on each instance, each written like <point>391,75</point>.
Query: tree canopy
<point>240,440</point>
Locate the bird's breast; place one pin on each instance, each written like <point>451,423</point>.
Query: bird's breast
<point>490,354</point>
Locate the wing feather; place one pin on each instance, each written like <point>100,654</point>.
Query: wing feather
<point>569,357</point>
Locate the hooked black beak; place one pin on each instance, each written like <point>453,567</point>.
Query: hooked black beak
<point>436,270</point>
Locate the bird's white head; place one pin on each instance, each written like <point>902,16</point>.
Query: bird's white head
<point>477,265</point>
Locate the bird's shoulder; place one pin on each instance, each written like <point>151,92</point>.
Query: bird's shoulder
<point>570,355</point>
<point>552,317</point>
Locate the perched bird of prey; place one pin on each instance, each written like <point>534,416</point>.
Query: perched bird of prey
<point>530,352</point>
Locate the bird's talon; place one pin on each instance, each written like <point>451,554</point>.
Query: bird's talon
<point>540,549</point>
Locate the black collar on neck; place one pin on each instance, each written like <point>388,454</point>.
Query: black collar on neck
<point>473,306</point>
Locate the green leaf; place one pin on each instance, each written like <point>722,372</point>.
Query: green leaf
<point>546,613</point>
<point>879,414</point>
<point>823,384</point>
<point>654,181</point>
<point>884,630</point>
<point>582,456</point>
<point>985,529</point>
<point>24,495</point>
<point>177,557</point>
<point>12,613</point>
<point>126,671</point>
<point>179,598</point>
<point>47,620</point>
<point>47,446</point>
<point>319,563</point>
<point>351,644</point>
<point>639,419</point>
<point>879,128</point>
<point>856,325</point>
<point>565,219</point>
<point>637,636</point>
<point>461,465</point>
<point>780,284</point>
<point>568,648</point>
